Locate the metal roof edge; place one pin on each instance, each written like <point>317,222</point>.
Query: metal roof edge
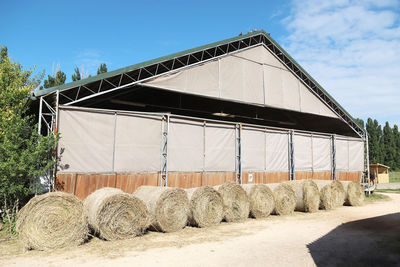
<point>37,93</point>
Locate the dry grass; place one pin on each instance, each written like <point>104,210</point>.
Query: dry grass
<point>236,202</point>
<point>169,206</point>
<point>52,220</point>
<point>206,206</point>
<point>115,215</point>
<point>262,201</point>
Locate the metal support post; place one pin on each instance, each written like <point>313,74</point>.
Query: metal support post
<point>367,160</point>
<point>164,150</point>
<point>40,115</point>
<point>238,153</point>
<point>292,174</point>
<point>333,157</point>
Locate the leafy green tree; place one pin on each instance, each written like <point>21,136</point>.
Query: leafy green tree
<point>102,68</point>
<point>58,79</point>
<point>77,75</point>
<point>374,135</point>
<point>24,154</point>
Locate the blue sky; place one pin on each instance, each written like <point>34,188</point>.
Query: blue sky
<point>350,47</point>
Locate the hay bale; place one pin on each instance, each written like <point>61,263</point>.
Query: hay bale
<point>354,193</point>
<point>338,193</point>
<point>169,206</point>
<point>115,215</point>
<point>236,202</point>
<point>262,201</point>
<point>307,195</point>
<point>326,194</point>
<point>52,220</point>
<point>285,198</point>
<point>206,206</point>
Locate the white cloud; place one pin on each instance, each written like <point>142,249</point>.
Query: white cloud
<point>352,48</point>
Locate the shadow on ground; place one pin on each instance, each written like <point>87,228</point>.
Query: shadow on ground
<point>369,242</point>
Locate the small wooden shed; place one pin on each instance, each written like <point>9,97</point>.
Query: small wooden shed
<point>381,172</point>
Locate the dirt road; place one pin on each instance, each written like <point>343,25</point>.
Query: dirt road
<point>356,236</point>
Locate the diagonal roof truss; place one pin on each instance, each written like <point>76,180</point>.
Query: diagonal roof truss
<point>78,91</point>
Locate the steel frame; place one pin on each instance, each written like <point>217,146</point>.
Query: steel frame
<point>238,153</point>
<point>164,150</point>
<point>126,79</point>
<point>292,172</point>
<point>333,157</point>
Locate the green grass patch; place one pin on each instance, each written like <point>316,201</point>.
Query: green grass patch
<point>394,177</point>
<point>376,197</point>
<point>397,191</point>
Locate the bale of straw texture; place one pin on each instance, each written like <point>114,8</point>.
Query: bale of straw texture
<point>169,207</point>
<point>52,220</point>
<point>327,194</point>
<point>115,215</point>
<point>285,198</point>
<point>236,202</point>
<point>307,195</point>
<point>339,193</point>
<point>262,201</point>
<point>206,206</point>
<point>354,193</point>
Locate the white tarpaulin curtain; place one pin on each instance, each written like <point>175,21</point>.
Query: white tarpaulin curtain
<point>356,155</point>
<point>322,150</point>
<point>277,153</point>
<point>185,145</point>
<point>342,154</point>
<point>219,147</point>
<point>86,142</point>
<point>253,75</point>
<point>137,144</point>
<point>302,152</point>
<point>253,149</point>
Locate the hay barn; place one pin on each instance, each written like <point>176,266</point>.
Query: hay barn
<point>236,110</point>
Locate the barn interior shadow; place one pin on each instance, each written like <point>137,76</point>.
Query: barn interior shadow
<point>368,242</point>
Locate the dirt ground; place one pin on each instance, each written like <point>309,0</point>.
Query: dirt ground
<point>356,236</point>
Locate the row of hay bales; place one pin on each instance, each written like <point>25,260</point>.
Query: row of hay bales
<point>56,220</point>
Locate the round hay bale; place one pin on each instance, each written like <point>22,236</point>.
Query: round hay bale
<point>52,220</point>
<point>115,215</point>
<point>307,195</point>
<point>338,193</point>
<point>236,202</point>
<point>285,198</point>
<point>326,193</point>
<point>206,206</point>
<point>169,207</point>
<point>262,201</point>
<point>354,193</point>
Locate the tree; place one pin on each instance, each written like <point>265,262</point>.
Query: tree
<point>24,153</point>
<point>388,145</point>
<point>360,122</point>
<point>102,68</point>
<point>373,140</point>
<point>56,80</point>
<point>396,135</point>
<point>77,75</point>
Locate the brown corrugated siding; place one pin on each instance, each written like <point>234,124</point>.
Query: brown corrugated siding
<point>83,184</point>
<point>349,176</point>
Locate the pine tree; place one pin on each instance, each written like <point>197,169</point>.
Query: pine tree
<point>388,145</point>
<point>58,79</point>
<point>102,68</point>
<point>77,75</point>
<point>396,135</point>
<point>373,141</point>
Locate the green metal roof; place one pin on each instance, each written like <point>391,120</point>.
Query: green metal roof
<point>38,93</point>
<point>62,87</point>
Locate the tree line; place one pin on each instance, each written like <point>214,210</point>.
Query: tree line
<point>59,77</point>
<point>383,143</point>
